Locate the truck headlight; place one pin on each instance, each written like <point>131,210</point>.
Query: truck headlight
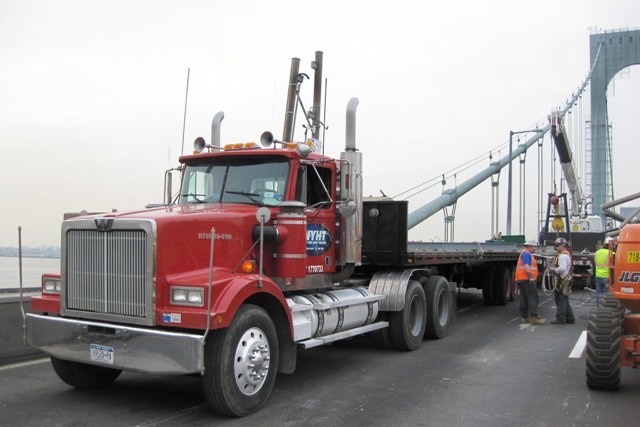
<point>51,285</point>
<point>182,295</point>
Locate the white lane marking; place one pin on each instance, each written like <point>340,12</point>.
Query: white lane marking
<point>23,364</point>
<point>578,349</point>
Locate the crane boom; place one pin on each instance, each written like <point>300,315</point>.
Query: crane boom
<point>559,135</point>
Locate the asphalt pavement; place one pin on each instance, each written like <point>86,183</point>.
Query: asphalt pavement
<point>489,371</point>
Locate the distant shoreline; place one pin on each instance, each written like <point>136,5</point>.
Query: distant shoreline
<point>30,256</point>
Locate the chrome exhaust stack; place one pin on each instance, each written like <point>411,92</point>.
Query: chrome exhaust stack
<point>350,208</point>
<point>216,124</point>
<point>317,96</point>
<point>290,113</point>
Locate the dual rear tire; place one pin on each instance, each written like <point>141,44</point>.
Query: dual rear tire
<point>439,307</point>
<point>427,313</point>
<point>406,327</point>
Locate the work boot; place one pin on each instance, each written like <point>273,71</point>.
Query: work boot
<point>536,320</point>
<point>557,322</point>
<point>524,320</point>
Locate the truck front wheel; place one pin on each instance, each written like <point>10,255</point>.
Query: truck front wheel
<point>241,363</point>
<point>81,375</point>
<point>406,327</point>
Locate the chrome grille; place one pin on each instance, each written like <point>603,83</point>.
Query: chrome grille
<point>107,275</point>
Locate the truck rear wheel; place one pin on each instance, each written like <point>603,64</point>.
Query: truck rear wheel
<point>604,332</point>
<point>439,309</point>
<point>84,376</point>
<point>241,363</point>
<point>406,327</point>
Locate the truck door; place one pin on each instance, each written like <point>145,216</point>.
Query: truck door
<point>315,188</point>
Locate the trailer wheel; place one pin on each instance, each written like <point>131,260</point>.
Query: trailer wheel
<point>439,310</point>
<point>604,332</point>
<point>501,286</point>
<point>406,327</point>
<point>241,362</point>
<point>84,376</point>
<point>512,284</point>
<point>487,285</point>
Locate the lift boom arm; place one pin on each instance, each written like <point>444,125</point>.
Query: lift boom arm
<point>559,135</point>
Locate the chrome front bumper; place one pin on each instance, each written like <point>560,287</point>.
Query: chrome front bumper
<point>134,349</point>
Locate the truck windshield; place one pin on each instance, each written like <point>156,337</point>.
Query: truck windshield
<point>253,180</point>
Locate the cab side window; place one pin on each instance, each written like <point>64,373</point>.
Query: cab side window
<point>311,185</point>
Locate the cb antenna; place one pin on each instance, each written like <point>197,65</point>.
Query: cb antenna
<point>184,119</point>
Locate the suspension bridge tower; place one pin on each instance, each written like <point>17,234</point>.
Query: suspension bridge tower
<point>613,51</point>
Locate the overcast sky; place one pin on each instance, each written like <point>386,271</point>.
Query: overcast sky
<point>92,92</point>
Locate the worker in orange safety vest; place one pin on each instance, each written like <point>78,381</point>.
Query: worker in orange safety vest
<point>526,281</point>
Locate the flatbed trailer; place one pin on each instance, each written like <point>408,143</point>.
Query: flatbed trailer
<point>489,266</point>
<point>429,253</point>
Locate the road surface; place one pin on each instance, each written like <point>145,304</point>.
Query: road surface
<point>489,371</point>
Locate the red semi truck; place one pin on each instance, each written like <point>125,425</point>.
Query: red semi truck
<point>264,251</point>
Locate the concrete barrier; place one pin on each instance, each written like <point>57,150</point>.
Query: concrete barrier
<point>12,346</point>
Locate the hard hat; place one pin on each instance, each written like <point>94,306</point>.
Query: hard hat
<point>560,241</point>
<point>607,240</point>
<point>531,243</point>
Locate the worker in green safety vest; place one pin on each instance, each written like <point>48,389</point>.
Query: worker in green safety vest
<point>602,259</point>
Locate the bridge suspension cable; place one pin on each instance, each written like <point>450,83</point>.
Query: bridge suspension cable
<point>450,196</point>
<point>432,182</point>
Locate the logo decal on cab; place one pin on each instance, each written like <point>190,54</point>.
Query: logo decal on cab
<point>318,239</point>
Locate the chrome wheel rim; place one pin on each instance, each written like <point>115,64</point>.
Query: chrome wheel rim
<point>251,363</point>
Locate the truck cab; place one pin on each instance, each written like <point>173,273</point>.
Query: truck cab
<point>273,178</point>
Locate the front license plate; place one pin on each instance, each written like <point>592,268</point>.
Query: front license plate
<point>101,353</point>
